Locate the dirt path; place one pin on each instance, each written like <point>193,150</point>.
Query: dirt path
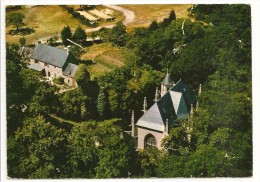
<point>129,17</point>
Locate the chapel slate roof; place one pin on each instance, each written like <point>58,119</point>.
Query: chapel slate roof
<point>51,55</point>
<point>167,81</point>
<point>171,106</point>
<point>70,70</point>
<point>189,96</point>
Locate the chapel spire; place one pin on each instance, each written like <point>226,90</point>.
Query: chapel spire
<point>166,84</point>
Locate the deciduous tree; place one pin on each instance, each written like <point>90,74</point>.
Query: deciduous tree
<point>42,150</point>
<point>15,19</point>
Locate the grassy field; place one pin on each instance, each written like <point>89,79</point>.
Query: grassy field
<point>105,56</point>
<point>146,13</point>
<point>46,21</point>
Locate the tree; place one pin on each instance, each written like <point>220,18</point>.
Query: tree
<point>22,41</point>
<point>209,162</point>
<point>30,82</point>
<point>169,19</point>
<point>74,104</point>
<point>118,34</point>
<point>15,19</point>
<point>13,89</point>
<point>82,76</point>
<point>102,105</point>
<point>172,15</point>
<point>82,147</point>
<point>41,150</point>
<point>171,166</point>
<point>149,160</point>
<point>66,34</point>
<point>99,150</point>
<point>153,25</point>
<point>79,35</point>
<point>40,102</point>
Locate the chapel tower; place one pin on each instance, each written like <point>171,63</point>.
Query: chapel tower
<point>166,84</point>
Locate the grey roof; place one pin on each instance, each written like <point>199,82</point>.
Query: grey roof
<point>36,67</point>
<point>189,96</point>
<point>70,70</point>
<point>152,119</point>
<point>167,81</point>
<point>51,55</point>
<point>171,106</point>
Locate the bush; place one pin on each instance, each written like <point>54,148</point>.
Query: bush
<point>59,80</point>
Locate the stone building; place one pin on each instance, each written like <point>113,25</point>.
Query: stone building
<point>54,63</point>
<point>176,102</point>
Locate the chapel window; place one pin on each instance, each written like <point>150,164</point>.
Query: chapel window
<point>150,141</point>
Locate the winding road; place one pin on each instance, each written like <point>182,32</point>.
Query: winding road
<point>129,18</point>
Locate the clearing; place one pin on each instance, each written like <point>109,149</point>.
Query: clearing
<point>47,21</point>
<point>106,58</point>
<point>146,13</point>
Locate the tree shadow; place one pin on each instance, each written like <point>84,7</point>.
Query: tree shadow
<point>22,31</point>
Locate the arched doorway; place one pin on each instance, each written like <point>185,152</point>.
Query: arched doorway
<point>150,141</point>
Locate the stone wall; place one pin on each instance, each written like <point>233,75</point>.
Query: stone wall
<point>142,133</point>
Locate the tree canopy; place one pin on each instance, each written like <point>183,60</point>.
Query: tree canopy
<point>15,19</point>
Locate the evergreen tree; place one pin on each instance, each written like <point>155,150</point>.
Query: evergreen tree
<point>66,34</point>
<point>102,104</point>
<point>79,35</point>
<point>153,25</point>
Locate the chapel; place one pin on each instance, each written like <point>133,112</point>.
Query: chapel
<point>172,103</point>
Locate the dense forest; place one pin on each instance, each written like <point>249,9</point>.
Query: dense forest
<point>212,48</point>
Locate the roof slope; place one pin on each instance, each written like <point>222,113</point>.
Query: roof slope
<point>167,81</point>
<point>70,69</point>
<point>189,96</point>
<point>152,119</point>
<point>51,55</point>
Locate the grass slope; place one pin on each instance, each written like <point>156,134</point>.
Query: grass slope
<point>46,21</point>
<point>106,57</point>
